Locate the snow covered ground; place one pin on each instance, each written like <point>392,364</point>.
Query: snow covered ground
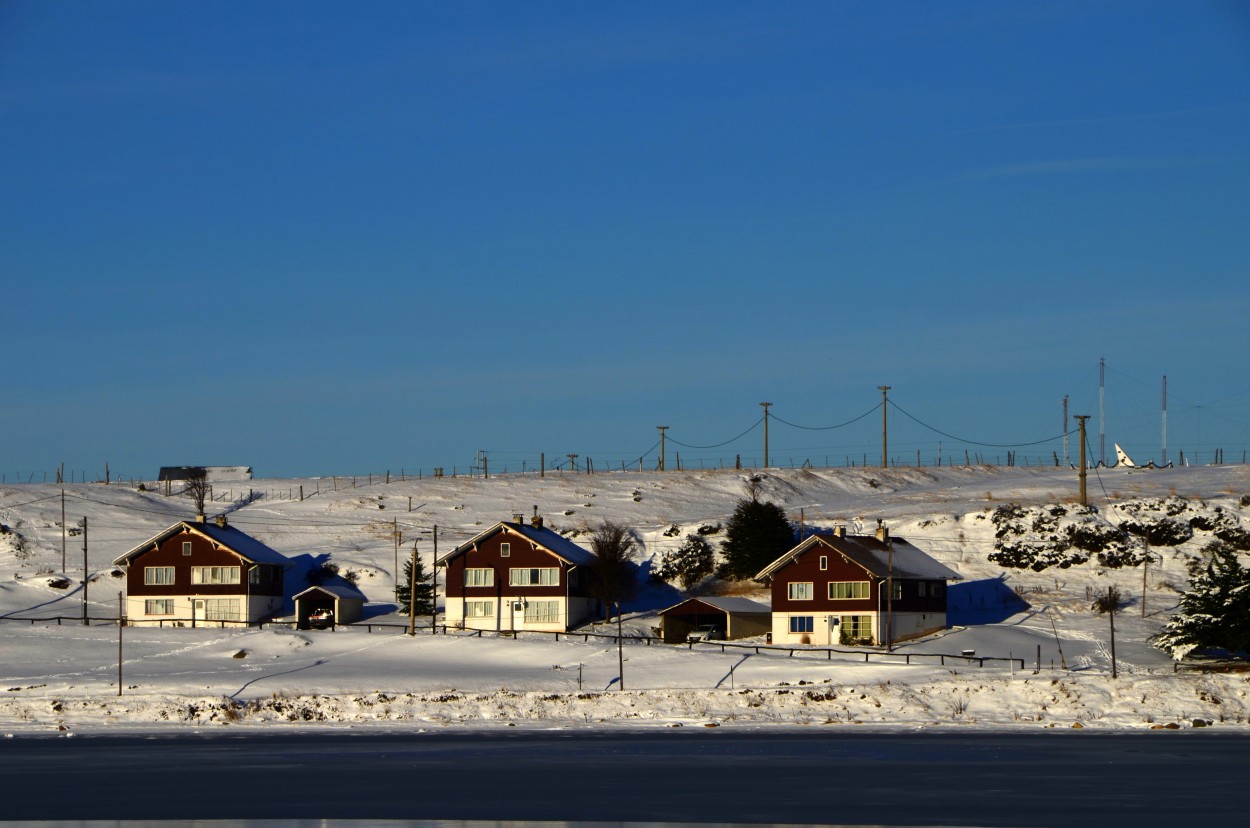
<point>64,676</point>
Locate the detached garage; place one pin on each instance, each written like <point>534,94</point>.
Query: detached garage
<point>733,618</point>
<point>346,602</point>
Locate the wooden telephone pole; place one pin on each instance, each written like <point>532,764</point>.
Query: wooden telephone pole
<point>662,430</point>
<point>885,400</point>
<point>1081,418</point>
<point>765,406</point>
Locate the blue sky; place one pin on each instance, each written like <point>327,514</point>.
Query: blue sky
<point>328,238</point>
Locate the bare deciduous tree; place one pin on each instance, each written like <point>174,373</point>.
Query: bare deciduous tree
<point>197,487</point>
<point>613,575</point>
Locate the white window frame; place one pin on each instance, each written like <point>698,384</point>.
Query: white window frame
<point>158,606</point>
<point>542,612</point>
<point>158,576</point>
<point>824,562</point>
<point>802,624</point>
<point>531,576</point>
<point>848,590</point>
<point>856,627</point>
<point>505,550</point>
<point>479,576</point>
<point>800,591</point>
<point>221,609</point>
<point>214,575</point>
<point>479,609</point>
<point>186,548</point>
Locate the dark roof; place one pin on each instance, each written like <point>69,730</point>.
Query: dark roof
<point>731,605</point>
<point>552,541</point>
<point>874,556</point>
<point>343,591</point>
<point>233,539</point>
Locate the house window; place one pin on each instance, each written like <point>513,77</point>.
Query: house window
<point>922,589</point>
<point>186,548</point>
<point>802,623</point>
<point>839,590</point>
<point>824,562</point>
<point>857,627</point>
<point>800,591</point>
<point>544,576</point>
<point>158,575</point>
<point>505,550</point>
<point>898,590</point>
<point>222,609</point>
<point>938,587</point>
<point>158,606</point>
<point>542,612</point>
<point>479,577</point>
<point>215,575</point>
<point>253,575</point>
<point>479,609</point>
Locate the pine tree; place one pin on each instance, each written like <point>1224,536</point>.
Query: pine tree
<point>757,534</point>
<point>425,589</point>
<point>1215,611</point>
<point>689,563</point>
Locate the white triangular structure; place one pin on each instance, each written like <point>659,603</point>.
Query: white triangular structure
<point>1122,459</point>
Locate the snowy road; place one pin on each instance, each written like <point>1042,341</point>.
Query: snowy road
<point>1064,778</point>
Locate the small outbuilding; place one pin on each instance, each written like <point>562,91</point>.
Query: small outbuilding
<point>344,600</point>
<point>733,618</point>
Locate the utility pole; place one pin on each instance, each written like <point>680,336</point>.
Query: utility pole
<point>64,533</point>
<point>885,405</point>
<point>412,592</point>
<point>395,537</point>
<point>662,430</point>
<point>85,574</point>
<point>121,622</point>
<point>1165,420</point>
<point>572,462</point>
<point>620,647</point>
<point>1066,461</point>
<point>1081,418</point>
<point>765,405</point>
<point>434,587</point>
<point>1102,410</point>
<point>1144,566</point>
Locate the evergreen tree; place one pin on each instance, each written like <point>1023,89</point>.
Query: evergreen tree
<point>689,563</point>
<point>757,534</point>
<point>425,589</point>
<point>1215,611</point>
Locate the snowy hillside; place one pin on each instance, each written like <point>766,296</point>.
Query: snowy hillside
<point>949,512</point>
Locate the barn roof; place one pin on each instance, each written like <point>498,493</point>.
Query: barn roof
<point>873,555</point>
<point>730,604</point>
<point>241,543</point>
<point>552,541</point>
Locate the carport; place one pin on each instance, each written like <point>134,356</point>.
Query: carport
<point>346,602</point>
<point>734,617</point>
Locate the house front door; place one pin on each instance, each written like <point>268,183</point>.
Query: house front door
<point>197,611</point>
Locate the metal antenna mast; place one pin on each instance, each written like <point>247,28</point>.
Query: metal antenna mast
<point>1066,461</point>
<point>1102,410</point>
<point>1165,419</point>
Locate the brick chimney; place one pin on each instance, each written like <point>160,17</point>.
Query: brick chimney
<point>536,521</point>
<point>883,532</point>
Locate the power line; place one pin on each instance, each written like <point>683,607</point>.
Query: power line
<point>827,428</point>
<point>972,442</point>
<point>727,442</point>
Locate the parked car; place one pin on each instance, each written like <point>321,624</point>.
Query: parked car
<point>704,632</point>
<point>321,619</point>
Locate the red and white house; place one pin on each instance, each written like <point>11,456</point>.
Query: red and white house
<point>515,576</point>
<point>198,571</point>
<point>835,589</point>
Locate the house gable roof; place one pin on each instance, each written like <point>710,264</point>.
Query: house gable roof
<point>872,555</point>
<point>238,542</point>
<point>343,591</point>
<point>544,538</point>
<point>729,604</point>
